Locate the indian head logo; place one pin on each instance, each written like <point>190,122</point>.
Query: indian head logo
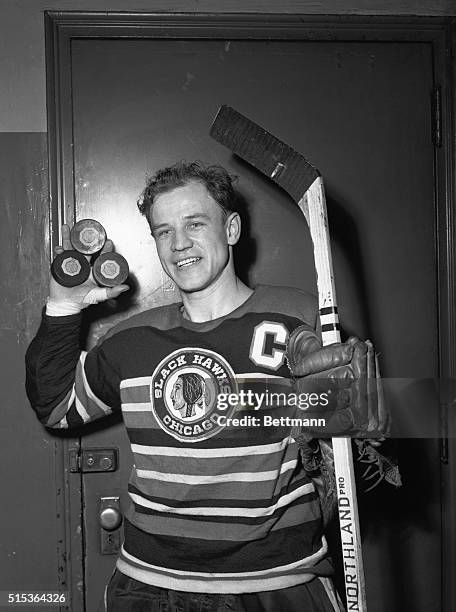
<point>184,391</point>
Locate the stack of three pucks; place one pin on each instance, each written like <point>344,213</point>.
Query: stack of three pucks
<point>71,268</point>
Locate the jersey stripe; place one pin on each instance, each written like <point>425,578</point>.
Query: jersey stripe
<point>222,554</point>
<point>230,438</point>
<point>206,453</point>
<point>296,565</point>
<point>88,391</point>
<point>135,394</point>
<point>85,416</point>
<point>202,585</point>
<point>136,407</point>
<point>57,417</point>
<point>262,498</point>
<point>203,528</point>
<point>204,466</point>
<point>226,511</point>
<point>218,491</point>
<point>215,582</point>
<point>140,420</point>
<point>230,477</point>
<point>139,381</point>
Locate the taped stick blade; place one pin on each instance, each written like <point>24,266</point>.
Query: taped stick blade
<point>282,164</point>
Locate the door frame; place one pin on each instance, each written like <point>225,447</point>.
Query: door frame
<point>62,28</point>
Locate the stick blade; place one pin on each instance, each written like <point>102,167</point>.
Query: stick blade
<point>285,166</point>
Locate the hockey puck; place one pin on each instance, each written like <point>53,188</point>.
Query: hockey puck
<point>88,236</point>
<point>70,268</point>
<point>110,269</point>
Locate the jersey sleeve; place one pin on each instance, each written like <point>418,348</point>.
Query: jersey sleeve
<point>68,387</point>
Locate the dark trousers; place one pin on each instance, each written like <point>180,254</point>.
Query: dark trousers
<point>125,594</point>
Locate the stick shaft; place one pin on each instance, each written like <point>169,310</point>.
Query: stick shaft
<point>313,205</point>
<point>291,171</point>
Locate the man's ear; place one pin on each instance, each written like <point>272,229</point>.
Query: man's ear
<point>233,228</point>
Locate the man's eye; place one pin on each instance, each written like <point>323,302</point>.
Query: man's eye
<point>195,225</point>
<point>163,233</point>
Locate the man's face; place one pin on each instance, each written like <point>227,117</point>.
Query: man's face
<point>177,395</point>
<point>191,235</point>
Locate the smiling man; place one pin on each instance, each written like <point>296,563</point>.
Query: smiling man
<point>221,518</point>
<point>194,235</point>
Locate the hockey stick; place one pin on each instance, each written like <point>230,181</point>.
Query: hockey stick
<point>303,183</point>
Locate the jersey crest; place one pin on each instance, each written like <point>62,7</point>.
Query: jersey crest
<point>184,391</point>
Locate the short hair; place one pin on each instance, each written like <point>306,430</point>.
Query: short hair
<point>216,179</point>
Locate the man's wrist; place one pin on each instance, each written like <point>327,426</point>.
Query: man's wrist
<point>62,308</point>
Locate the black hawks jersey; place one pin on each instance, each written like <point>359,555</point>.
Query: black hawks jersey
<point>219,500</point>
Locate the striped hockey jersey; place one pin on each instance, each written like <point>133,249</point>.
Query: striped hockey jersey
<point>218,504</point>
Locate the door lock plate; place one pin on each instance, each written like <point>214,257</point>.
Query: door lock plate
<point>94,460</point>
<point>110,519</point>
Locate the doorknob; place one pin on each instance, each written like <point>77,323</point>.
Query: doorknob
<point>110,519</point>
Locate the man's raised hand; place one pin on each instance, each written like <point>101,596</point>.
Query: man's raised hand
<point>74,299</point>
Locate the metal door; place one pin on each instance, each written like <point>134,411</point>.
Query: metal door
<point>360,111</point>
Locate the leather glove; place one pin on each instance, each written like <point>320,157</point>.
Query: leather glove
<point>346,375</point>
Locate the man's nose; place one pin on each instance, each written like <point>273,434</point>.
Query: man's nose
<point>181,240</point>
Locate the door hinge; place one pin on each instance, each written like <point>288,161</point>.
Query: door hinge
<point>94,460</point>
<point>437,116</point>
<point>444,433</point>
